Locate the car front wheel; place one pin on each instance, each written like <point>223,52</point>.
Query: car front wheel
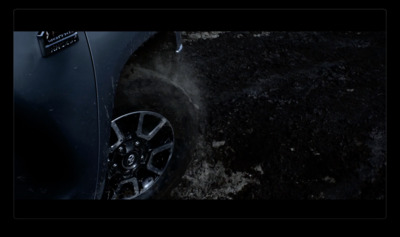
<point>153,133</point>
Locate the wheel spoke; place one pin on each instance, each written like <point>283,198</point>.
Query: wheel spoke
<point>157,128</point>
<point>120,136</point>
<point>135,185</point>
<point>140,125</point>
<point>162,148</point>
<point>150,135</point>
<point>157,150</point>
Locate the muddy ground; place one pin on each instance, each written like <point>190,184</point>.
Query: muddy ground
<point>289,115</point>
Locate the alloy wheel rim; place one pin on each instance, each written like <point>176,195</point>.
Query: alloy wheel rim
<point>142,147</point>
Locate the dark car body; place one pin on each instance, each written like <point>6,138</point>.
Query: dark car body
<point>63,104</point>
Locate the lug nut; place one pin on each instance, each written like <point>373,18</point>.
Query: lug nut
<point>137,143</point>
<point>115,165</point>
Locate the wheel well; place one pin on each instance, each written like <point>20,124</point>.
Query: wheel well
<point>162,42</point>
<point>157,58</point>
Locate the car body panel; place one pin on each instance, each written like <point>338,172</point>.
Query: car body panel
<point>62,111</point>
<point>55,112</point>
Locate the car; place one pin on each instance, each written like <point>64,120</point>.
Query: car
<point>97,116</point>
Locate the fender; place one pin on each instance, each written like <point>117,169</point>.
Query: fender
<point>109,51</point>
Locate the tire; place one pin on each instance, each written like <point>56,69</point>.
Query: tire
<point>146,94</point>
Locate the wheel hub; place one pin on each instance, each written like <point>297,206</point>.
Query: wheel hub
<point>130,162</point>
<point>132,153</point>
